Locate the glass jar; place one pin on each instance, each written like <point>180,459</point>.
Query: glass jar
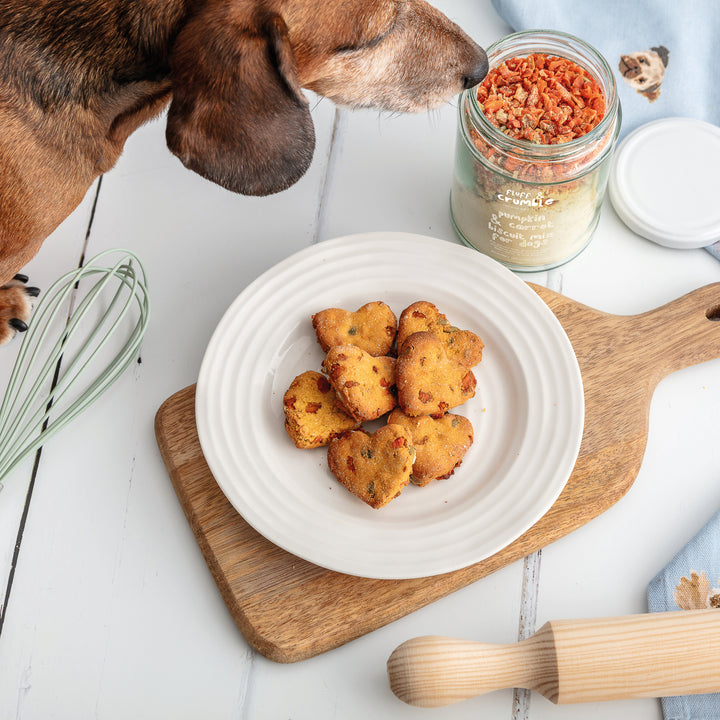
<point>532,206</point>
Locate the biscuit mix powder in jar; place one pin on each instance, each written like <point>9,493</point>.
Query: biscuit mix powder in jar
<point>533,151</point>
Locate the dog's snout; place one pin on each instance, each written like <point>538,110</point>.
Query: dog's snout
<point>477,73</point>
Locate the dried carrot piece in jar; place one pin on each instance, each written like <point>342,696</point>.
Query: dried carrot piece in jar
<point>543,99</point>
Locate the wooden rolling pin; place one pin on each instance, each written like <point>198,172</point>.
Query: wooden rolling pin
<point>568,661</point>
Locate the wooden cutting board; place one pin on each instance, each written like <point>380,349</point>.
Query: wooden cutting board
<point>289,609</point>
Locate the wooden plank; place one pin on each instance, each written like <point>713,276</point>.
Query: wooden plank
<point>289,609</point>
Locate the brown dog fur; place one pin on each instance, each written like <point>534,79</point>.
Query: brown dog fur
<point>77,77</point>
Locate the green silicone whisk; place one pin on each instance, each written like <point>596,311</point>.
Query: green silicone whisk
<point>84,333</point>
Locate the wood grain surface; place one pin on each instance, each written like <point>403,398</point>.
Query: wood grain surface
<point>289,609</point>
<point>568,661</point>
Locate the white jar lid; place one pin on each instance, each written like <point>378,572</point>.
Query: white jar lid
<point>665,182</point>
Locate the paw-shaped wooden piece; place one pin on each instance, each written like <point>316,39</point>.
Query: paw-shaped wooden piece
<point>371,328</point>
<point>428,381</point>
<point>375,467</point>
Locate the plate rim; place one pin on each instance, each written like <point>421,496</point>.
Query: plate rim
<point>359,240</point>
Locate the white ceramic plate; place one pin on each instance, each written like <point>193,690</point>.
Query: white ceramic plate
<point>527,413</point>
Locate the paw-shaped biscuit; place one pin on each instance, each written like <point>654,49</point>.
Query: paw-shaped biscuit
<point>440,443</point>
<point>375,467</point>
<point>313,413</point>
<point>16,303</point>
<point>428,381</point>
<point>461,345</point>
<point>371,328</point>
<point>365,384</point>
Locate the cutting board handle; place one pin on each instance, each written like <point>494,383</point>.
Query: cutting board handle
<point>647,346</point>
<point>681,333</point>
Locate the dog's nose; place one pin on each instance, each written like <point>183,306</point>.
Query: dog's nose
<point>478,71</point>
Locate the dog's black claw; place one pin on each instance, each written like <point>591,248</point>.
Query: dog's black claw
<point>21,278</point>
<point>32,291</point>
<point>18,324</point>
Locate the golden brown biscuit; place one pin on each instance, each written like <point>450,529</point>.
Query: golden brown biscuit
<point>365,384</point>
<point>375,467</point>
<point>313,413</point>
<point>371,328</point>
<point>461,345</point>
<point>428,381</point>
<point>440,443</point>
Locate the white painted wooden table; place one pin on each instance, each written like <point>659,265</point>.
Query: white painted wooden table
<point>108,609</point>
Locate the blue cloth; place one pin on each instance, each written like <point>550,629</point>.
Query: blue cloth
<point>675,40</point>
<point>691,581</point>
<point>688,31</point>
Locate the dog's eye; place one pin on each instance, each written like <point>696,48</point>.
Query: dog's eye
<point>362,45</point>
<point>365,43</point>
<point>644,61</point>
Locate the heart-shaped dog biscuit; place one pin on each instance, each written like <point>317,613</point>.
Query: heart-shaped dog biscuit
<point>440,443</point>
<point>428,381</point>
<point>313,413</point>
<point>375,467</point>
<point>371,328</point>
<point>365,384</point>
<point>462,345</point>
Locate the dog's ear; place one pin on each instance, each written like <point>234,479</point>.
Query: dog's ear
<point>663,53</point>
<point>238,116</point>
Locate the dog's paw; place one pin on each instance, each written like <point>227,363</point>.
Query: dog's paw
<point>16,304</point>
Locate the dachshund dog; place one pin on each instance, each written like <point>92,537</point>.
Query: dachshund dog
<point>77,77</point>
